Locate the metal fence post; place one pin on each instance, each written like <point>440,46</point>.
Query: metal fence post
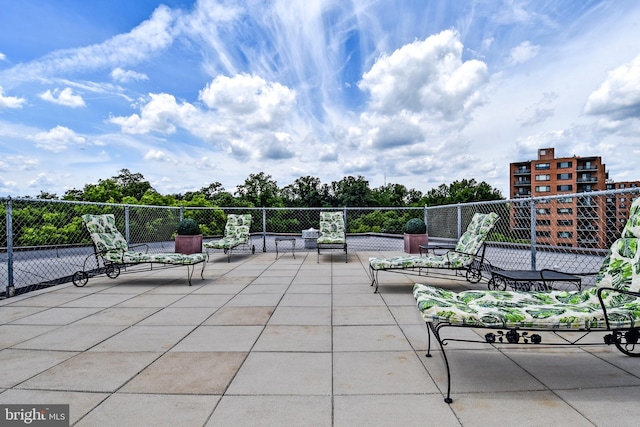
<point>11,290</point>
<point>459,210</point>
<point>532,205</point>
<point>264,229</point>
<point>126,224</point>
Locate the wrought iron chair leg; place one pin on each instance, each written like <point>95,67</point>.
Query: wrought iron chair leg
<point>446,361</point>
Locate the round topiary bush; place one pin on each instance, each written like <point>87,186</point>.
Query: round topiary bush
<point>415,226</point>
<point>188,227</point>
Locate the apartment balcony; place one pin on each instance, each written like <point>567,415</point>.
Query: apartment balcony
<point>522,183</point>
<point>522,172</point>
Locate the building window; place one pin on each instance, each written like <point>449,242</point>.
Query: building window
<point>621,186</point>
<point>543,211</point>
<point>565,187</point>
<point>542,166</point>
<point>565,234</point>
<point>540,233</point>
<point>543,222</point>
<point>565,211</point>
<point>563,165</point>
<point>565,200</point>
<point>565,176</point>
<point>543,177</point>
<point>543,188</point>
<point>565,222</point>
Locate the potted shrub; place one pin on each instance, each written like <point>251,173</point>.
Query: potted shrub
<point>188,237</point>
<point>415,234</point>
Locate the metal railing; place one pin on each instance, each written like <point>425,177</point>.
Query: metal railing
<point>44,241</point>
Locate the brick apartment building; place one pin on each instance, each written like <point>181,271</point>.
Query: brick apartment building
<point>567,221</point>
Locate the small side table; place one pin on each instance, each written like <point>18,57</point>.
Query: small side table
<point>287,239</point>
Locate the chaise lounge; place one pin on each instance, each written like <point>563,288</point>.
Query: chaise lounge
<point>112,252</point>
<point>332,233</point>
<point>467,256</point>
<point>612,305</point>
<point>236,233</point>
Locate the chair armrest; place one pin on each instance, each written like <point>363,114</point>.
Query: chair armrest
<point>619,291</point>
<point>146,247</point>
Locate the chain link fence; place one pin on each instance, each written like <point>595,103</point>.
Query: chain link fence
<point>44,241</point>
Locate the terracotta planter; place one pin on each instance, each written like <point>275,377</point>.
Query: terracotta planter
<point>412,242</point>
<point>188,244</point>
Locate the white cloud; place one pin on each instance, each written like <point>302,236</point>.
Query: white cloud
<point>524,52</point>
<point>125,76</point>
<point>426,76</point>
<point>249,98</point>
<point>57,139</point>
<point>3,57</point>
<point>619,95</point>
<point>158,156</point>
<point>63,97</point>
<point>10,101</point>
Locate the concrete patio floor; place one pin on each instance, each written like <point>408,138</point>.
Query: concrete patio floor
<point>286,342</point>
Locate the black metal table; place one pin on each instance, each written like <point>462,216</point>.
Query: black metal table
<point>531,279</point>
<point>286,239</point>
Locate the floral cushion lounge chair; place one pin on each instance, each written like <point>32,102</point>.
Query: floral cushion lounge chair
<point>236,233</point>
<point>332,233</point>
<point>613,304</point>
<point>468,254</point>
<point>112,252</point>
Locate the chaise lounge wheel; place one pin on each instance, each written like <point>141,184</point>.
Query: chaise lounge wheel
<point>253,249</point>
<point>80,278</point>
<point>497,284</point>
<point>630,346</point>
<point>112,271</point>
<point>474,275</point>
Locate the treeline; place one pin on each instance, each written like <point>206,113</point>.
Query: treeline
<point>261,190</point>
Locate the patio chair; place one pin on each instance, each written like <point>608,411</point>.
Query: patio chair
<point>113,254</point>
<point>236,233</point>
<point>467,256</point>
<point>332,234</point>
<point>517,317</point>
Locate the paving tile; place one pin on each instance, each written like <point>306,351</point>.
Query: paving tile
<point>603,406</point>
<point>295,338</point>
<point>92,371</point>
<point>255,300</point>
<point>220,338</point>
<point>79,403</point>
<point>527,409</point>
<point>119,316</point>
<point>135,410</point>
<point>20,365</point>
<point>240,316</point>
<point>306,300</point>
<point>203,300</point>
<point>392,410</point>
<point>11,335</point>
<point>376,315</point>
<point>380,372</point>
<point>284,374</point>
<point>178,316</point>
<point>97,300</point>
<point>268,411</point>
<point>75,337</point>
<point>144,338</point>
<point>301,316</point>
<point>56,316</point>
<point>369,338</point>
<point>187,373</point>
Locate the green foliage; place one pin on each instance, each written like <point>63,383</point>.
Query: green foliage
<point>465,191</point>
<point>415,226</point>
<point>188,227</point>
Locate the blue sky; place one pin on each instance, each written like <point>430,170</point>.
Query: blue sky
<point>419,93</point>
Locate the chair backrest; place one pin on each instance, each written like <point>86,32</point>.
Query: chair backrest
<point>104,234</point>
<point>332,225</point>
<point>621,267</point>
<point>238,226</point>
<point>477,232</point>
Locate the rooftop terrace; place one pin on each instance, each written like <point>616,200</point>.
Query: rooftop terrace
<point>266,342</point>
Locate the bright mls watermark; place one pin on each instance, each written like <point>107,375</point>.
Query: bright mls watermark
<point>34,415</point>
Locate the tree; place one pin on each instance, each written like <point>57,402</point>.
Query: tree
<point>304,192</point>
<point>131,184</point>
<point>351,191</point>
<point>464,191</point>
<point>260,190</point>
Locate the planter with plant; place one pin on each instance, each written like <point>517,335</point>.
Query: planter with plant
<point>415,234</point>
<point>188,237</point>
